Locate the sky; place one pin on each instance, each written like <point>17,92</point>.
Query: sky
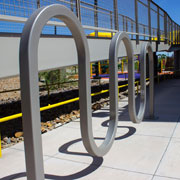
<point>172,7</point>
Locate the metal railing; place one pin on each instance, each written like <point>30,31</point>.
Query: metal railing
<point>143,21</point>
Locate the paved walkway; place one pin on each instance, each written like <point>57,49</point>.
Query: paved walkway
<point>146,151</point>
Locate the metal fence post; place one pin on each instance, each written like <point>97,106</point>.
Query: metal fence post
<point>72,7</point>
<point>171,32</point>
<point>78,9</point>
<point>165,27</point>
<point>123,23</point>
<point>111,22</point>
<point>176,34</point>
<point>126,24</point>
<point>38,3</point>
<point>136,20</point>
<point>131,29</point>
<point>158,26</point>
<point>96,16</point>
<point>116,23</point>
<point>149,19</point>
<point>144,31</point>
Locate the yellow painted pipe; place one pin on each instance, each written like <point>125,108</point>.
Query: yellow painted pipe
<point>122,67</point>
<point>7,118</point>
<point>102,34</point>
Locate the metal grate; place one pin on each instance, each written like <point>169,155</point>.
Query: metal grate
<point>21,8</point>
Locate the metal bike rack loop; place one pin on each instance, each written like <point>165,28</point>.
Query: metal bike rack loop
<point>123,36</point>
<point>146,47</point>
<point>30,92</point>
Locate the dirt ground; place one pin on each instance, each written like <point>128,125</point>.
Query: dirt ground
<point>9,84</point>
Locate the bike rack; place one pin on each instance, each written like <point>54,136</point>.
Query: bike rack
<point>122,36</point>
<point>30,92</point>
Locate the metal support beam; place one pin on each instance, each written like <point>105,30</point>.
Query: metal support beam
<point>158,26</point>
<point>132,29</point>
<point>96,16</point>
<point>78,9</point>
<point>149,19</point>
<point>176,34</point>
<point>136,20</point>
<point>116,23</point>
<point>144,31</point>
<point>126,25</point>
<point>123,23</point>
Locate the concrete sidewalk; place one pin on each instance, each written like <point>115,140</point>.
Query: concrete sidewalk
<point>150,150</point>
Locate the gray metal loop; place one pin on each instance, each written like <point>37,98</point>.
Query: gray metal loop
<point>30,93</point>
<point>87,131</point>
<point>29,81</point>
<point>123,36</point>
<point>146,47</point>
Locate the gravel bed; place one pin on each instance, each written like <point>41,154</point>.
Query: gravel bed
<point>11,131</point>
